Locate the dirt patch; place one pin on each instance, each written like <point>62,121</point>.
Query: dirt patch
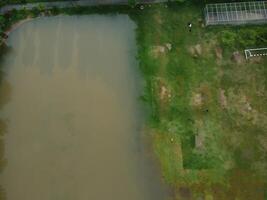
<point>200,135</point>
<point>240,103</point>
<point>199,141</point>
<point>164,92</point>
<point>158,50</point>
<point>245,105</point>
<point>192,51</point>
<point>161,49</point>
<point>256,60</point>
<point>197,100</point>
<point>196,50</point>
<point>222,98</point>
<point>237,57</point>
<point>201,97</point>
<point>218,53</point>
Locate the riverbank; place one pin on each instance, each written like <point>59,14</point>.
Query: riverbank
<point>17,25</point>
<point>208,104</point>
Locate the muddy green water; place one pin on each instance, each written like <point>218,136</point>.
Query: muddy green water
<point>74,121</point>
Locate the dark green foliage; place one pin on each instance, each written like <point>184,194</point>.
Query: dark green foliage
<point>6,2</point>
<point>228,38</point>
<point>244,37</point>
<point>131,2</point>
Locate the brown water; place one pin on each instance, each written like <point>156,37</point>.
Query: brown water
<point>74,121</point>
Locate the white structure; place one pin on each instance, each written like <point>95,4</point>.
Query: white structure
<point>236,13</point>
<point>255,52</point>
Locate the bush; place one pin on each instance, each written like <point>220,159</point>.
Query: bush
<point>228,38</point>
<point>132,2</point>
<point>244,37</point>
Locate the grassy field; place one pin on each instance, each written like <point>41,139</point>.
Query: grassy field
<point>208,107</point>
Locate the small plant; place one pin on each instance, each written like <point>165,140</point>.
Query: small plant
<point>2,21</point>
<point>228,38</point>
<point>55,11</point>
<point>41,7</point>
<point>132,3</point>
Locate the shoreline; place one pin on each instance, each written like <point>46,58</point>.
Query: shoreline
<point>17,25</point>
<point>12,28</point>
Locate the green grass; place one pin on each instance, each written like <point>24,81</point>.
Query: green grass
<point>231,134</point>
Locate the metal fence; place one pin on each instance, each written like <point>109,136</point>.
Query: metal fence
<point>255,52</point>
<point>236,13</point>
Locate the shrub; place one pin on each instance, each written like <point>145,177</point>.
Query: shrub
<point>228,38</point>
<point>132,2</point>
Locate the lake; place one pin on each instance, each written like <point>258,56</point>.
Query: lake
<point>74,120</point>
